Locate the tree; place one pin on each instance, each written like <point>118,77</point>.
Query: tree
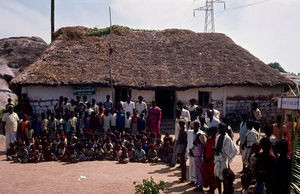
<point>277,66</point>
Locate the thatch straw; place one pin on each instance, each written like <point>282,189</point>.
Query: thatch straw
<point>174,59</point>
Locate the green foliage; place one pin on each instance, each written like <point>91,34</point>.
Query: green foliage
<point>149,187</point>
<point>104,31</point>
<point>277,66</point>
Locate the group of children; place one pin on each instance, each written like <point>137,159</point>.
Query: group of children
<point>89,146</point>
<point>82,131</point>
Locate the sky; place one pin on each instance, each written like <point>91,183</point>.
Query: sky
<point>269,29</point>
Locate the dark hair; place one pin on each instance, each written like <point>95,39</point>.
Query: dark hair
<point>228,175</point>
<point>265,144</point>
<point>179,103</point>
<point>282,147</point>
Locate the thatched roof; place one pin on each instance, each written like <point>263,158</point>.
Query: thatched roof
<point>172,58</point>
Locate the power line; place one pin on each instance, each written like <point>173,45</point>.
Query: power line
<point>244,6</point>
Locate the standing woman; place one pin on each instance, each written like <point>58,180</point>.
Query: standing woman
<point>198,152</point>
<point>209,178</point>
<point>154,118</point>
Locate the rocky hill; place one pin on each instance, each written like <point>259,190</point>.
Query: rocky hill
<point>16,53</point>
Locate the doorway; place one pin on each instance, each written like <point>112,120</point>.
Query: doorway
<point>165,99</point>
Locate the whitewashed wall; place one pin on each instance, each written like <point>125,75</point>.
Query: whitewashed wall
<point>49,93</point>
<point>228,91</point>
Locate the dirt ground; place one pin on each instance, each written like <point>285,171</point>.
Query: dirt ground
<point>101,176</point>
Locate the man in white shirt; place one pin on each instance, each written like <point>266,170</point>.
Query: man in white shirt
<point>212,121</point>
<point>251,138</point>
<point>11,120</point>
<point>128,106</point>
<point>185,114</point>
<point>215,111</point>
<point>141,107</point>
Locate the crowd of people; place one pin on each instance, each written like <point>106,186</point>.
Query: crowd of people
<point>130,132</point>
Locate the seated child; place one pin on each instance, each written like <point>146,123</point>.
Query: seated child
<point>47,155</point>
<point>139,154</point>
<point>124,158</point>
<point>99,152</point>
<point>116,153</point>
<point>130,151</point>
<point>11,152</point>
<point>152,154</point>
<point>109,152</point>
<point>34,154</point>
<point>61,150</point>
<point>72,155</point>
<point>22,155</point>
<point>165,151</point>
<point>90,153</point>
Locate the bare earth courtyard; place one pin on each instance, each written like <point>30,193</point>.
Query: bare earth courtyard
<point>101,176</point>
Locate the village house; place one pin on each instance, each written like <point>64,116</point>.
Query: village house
<point>165,66</point>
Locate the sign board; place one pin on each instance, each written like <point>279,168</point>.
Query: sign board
<point>84,90</point>
<point>289,103</point>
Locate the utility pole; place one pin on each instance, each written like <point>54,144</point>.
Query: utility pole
<point>109,57</point>
<point>52,19</point>
<point>209,26</point>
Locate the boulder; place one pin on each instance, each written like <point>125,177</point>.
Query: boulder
<point>16,53</point>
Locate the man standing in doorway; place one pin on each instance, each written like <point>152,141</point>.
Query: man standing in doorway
<point>10,120</point>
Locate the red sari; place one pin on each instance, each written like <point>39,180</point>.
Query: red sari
<point>154,120</point>
<point>209,178</point>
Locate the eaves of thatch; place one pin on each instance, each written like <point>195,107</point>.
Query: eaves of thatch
<point>168,59</point>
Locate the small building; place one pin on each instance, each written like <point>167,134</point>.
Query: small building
<point>165,66</point>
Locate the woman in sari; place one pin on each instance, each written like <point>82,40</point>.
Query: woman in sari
<point>154,118</point>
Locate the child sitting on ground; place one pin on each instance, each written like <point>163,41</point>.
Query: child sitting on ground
<point>139,154</point>
<point>152,155</point>
<point>11,152</point>
<point>130,151</point>
<point>22,155</point>
<point>34,155</point>
<point>72,155</point>
<point>124,158</point>
<point>99,152</point>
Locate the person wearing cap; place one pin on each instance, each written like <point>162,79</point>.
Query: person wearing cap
<point>141,106</point>
<point>11,120</point>
<point>128,106</point>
